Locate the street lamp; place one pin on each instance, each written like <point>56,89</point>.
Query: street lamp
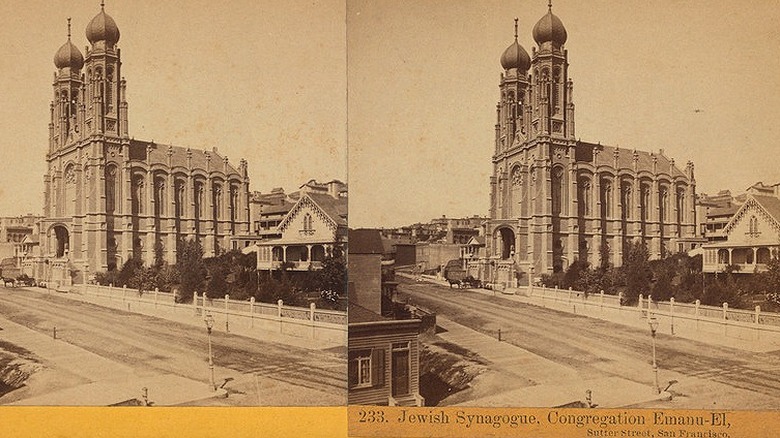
<point>209,320</point>
<point>653,322</point>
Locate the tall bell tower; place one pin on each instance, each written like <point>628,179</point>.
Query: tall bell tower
<point>104,92</point>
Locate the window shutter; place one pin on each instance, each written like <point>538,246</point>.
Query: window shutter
<point>353,372</point>
<point>377,367</point>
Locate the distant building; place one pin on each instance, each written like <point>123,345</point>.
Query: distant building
<point>14,232</point>
<point>555,199</point>
<point>310,230</point>
<point>383,352</point>
<point>751,237</point>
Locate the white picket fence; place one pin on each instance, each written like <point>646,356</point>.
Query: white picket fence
<point>248,318</point>
<point>673,318</point>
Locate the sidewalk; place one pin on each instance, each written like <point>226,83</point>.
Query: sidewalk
<point>108,382</point>
<point>553,384</point>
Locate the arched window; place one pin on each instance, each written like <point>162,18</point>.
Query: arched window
<point>680,206</point>
<point>625,201</point>
<point>217,198</point>
<point>308,225</point>
<point>178,200</point>
<point>138,194</point>
<point>584,197</point>
<point>606,198</point>
<point>197,196</point>
<point>557,191</point>
<point>159,196</point>
<point>111,189</point>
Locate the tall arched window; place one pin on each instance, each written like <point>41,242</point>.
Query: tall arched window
<point>584,196</point>
<point>138,194</point>
<point>680,205</point>
<point>217,198</point>
<point>178,200</point>
<point>159,196</point>
<point>606,198</point>
<point>111,189</point>
<point>557,191</point>
<point>198,198</point>
<point>625,200</point>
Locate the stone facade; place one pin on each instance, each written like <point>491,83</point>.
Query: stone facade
<point>556,199</point>
<point>108,196</point>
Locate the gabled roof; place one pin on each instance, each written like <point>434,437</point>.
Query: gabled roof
<point>365,241</point>
<point>335,210</point>
<point>476,241</point>
<point>769,204</point>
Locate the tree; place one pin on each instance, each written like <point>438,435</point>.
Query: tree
<point>190,267</point>
<point>333,275</point>
<point>636,270</point>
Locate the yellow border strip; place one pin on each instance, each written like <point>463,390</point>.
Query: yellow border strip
<point>61,422</point>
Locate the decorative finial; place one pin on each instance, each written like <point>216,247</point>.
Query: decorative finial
<point>515,28</point>
<point>68,28</point>
<point>102,4</point>
<point>549,5</point>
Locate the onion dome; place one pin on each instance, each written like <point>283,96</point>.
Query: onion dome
<point>103,28</point>
<point>550,28</point>
<point>69,55</point>
<point>515,56</point>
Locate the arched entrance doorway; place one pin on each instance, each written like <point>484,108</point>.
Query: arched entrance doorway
<point>62,240</point>
<point>507,243</point>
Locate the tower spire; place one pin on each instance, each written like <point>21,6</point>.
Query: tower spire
<point>68,28</point>
<point>515,28</point>
<point>102,5</point>
<point>549,5</point>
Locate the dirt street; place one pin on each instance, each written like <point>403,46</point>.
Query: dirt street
<point>708,375</point>
<point>260,373</point>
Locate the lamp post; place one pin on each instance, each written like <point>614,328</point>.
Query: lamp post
<point>209,320</point>
<point>653,322</point>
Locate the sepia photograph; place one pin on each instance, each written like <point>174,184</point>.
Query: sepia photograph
<point>564,204</point>
<point>173,204</point>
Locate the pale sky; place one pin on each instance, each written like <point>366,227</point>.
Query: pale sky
<point>423,85</point>
<point>259,79</point>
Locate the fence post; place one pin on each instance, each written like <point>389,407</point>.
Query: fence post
<point>697,303</point>
<point>156,291</point>
<point>640,305</point>
<point>195,303</point>
<point>227,323</point>
<point>601,300</point>
<point>252,312</point>
<point>569,297</point>
<point>649,301</point>
<point>110,291</point>
<point>671,312</point>
<point>124,292</point>
<point>279,314</point>
<point>620,300</point>
<point>758,327</point>
<point>312,306</point>
<point>725,319</point>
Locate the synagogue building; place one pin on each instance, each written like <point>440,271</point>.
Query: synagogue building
<point>110,197</point>
<point>556,199</point>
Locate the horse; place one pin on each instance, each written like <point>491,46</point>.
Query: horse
<point>455,282</point>
<point>7,281</point>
